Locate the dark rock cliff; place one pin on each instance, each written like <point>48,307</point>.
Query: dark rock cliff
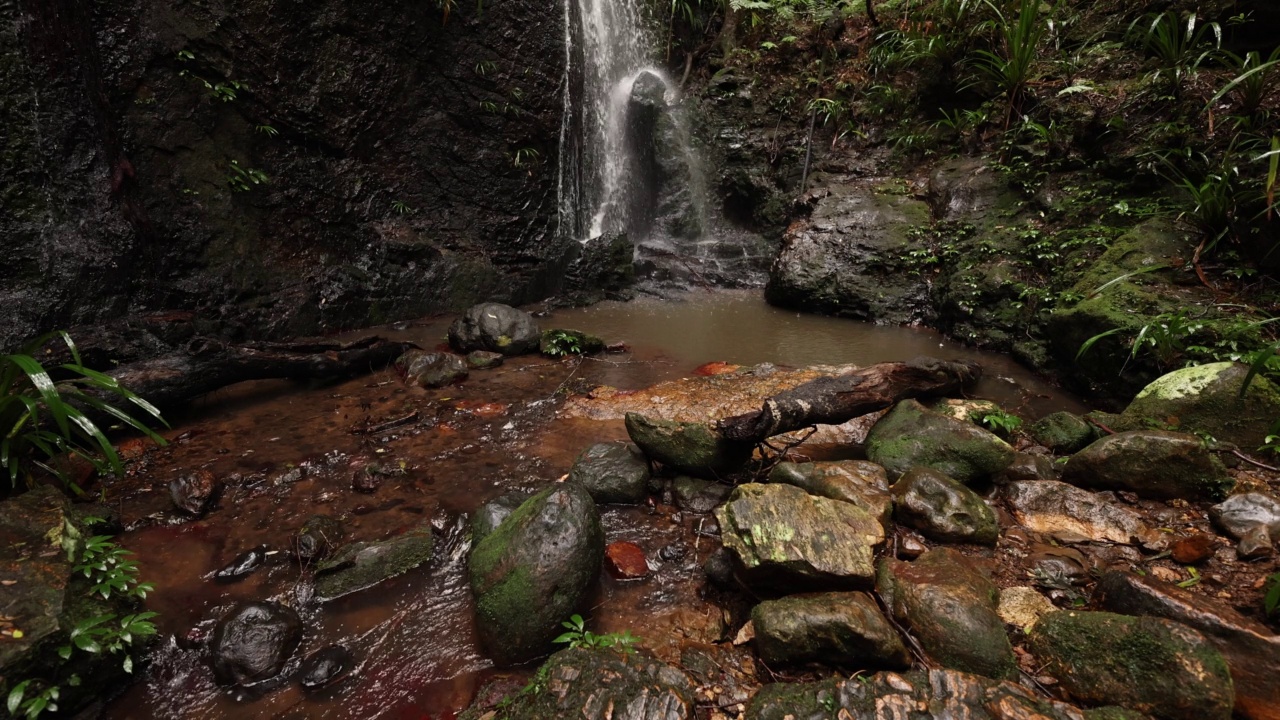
<point>273,167</point>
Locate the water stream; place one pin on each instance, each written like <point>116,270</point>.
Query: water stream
<point>288,453</point>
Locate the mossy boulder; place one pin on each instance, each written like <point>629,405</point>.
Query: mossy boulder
<point>911,435</point>
<point>844,629</point>
<point>497,328</point>
<point>693,448</point>
<point>943,509</point>
<point>1152,463</point>
<point>1148,664</point>
<point>1062,432</point>
<point>613,473</point>
<point>1206,398</point>
<point>951,609</point>
<point>860,482</point>
<point>534,571</point>
<point>431,370</point>
<point>490,515</point>
<point>362,565</point>
<point>781,536</point>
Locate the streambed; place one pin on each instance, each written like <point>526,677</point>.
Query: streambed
<point>287,453</point>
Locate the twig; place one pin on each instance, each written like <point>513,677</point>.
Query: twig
<point>1251,461</point>
<point>1100,426</point>
<point>389,424</point>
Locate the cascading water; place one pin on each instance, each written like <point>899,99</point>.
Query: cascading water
<point>627,161</point>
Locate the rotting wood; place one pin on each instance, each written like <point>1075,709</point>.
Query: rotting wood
<point>840,398</point>
<point>172,381</point>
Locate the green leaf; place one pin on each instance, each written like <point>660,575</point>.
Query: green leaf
<point>15,696</point>
<point>1088,344</point>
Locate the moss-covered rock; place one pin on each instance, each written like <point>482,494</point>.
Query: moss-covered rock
<point>943,509</point>
<point>1153,464</point>
<point>534,570</point>
<point>1062,432</point>
<point>1144,663</point>
<point>910,435</point>
<point>782,536</point>
<point>951,609</point>
<point>693,448</point>
<point>844,629</point>
<point>862,483</point>
<point>1206,398</point>
<point>362,565</point>
<point>497,328</point>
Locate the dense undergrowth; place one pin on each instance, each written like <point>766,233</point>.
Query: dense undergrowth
<point>1102,118</point>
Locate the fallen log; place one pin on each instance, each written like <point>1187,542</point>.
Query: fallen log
<point>172,381</point>
<point>837,399</point>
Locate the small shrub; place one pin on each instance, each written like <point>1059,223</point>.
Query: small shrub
<point>578,636</point>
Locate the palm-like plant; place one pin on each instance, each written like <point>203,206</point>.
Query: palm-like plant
<point>1177,44</point>
<point>42,419</point>
<point>1010,68</point>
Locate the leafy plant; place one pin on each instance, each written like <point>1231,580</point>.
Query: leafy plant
<point>1010,69</point>
<point>42,419</point>
<point>525,156</point>
<point>243,179</point>
<point>578,636</point>
<point>31,706</point>
<point>560,343</point>
<point>401,208</point>
<point>1176,43</point>
<point>997,421</point>
<point>1254,82</point>
<point>267,130</point>
<point>1271,601</point>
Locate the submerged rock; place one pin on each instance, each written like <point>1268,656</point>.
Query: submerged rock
<point>862,483</point>
<point>613,473</point>
<point>694,448</point>
<point>244,565</point>
<point>951,609</point>
<point>534,570</point>
<point>484,359</point>
<point>845,629</point>
<point>1071,515</point>
<point>1152,463</point>
<point>911,435</point>
<point>782,536</point>
<point>1206,398</point>
<point>1147,664</point>
<point>253,642</point>
<point>497,328</point>
<point>317,537</point>
<point>943,509</point>
<point>697,495</point>
<point>362,565</point>
<point>1251,650</point>
<point>431,370</point>
<point>626,561</point>
<point>325,667</point>
<point>195,493</point>
<point>1062,432</point>
<point>603,684</point>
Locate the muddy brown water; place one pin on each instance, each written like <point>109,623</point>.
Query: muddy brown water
<point>288,453</point>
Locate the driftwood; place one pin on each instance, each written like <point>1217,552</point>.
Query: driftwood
<point>837,399</point>
<point>174,380</point>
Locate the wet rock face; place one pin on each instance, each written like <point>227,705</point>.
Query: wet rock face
<point>497,328</point>
<point>943,509</point>
<point>780,536</point>
<point>612,473</point>
<point>253,642</point>
<point>1251,650</point>
<point>140,208</point>
<point>534,570</point>
<point>431,370</point>
<point>602,684</point>
<point>911,435</point>
<point>1206,398</point>
<point>845,629</point>
<point>859,482</point>
<point>951,609</point>
<point>1144,663</point>
<point>1152,463</point>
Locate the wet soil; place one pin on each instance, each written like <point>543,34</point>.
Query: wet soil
<point>287,453</point>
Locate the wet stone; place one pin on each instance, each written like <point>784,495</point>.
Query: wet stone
<point>484,360</point>
<point>693,448</point>
<point>431,370</point>
<point>496,328</point>
<point>626,561</point>
<point>1026,467</point>
<point>253,642</point>
<point>244,564</point>
<point>697,495</point>
<point>490,515</point>
<point>910,436</point>
<point>1147,664</point>
<point>1239,515</point>
<point>1071,515</point>
<point>1256,544</point>
<point>325,667</point>
<point>1062,432</point>
<point>943,509</point>
<point>719,568</point>
<point>195,493</point>
<point>614,473</point>
<point>317,538</point>
<point>860,482</point>
<point>361,565</point>
<point>1152,463</point>
<point>845,629</point>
